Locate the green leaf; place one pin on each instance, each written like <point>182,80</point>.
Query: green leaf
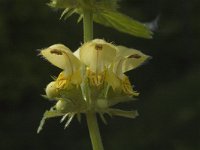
<point>107,4</point>
<point>105,13</point>
<point>119,99</point>
<point>122,113</point>
<point>48,114</point>
<point>122,23</point>
<point>52,113</point>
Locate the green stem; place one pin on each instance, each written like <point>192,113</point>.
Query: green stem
<point>87,25</point>
<point>94,131</point>
<point>90,115</point>
<point>87,36</point>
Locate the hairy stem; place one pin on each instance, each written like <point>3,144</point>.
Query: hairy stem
<point>91,115</point>
<point>87,25</point>
<point>94,131</point>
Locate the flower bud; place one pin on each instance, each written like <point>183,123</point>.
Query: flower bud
<point>102,103</point>
<point>50,90</point>
<point>61,105</point>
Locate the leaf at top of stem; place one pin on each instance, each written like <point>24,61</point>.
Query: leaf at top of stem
<point>92,5</point>
<point>105,13</point>
<point>123,23</point>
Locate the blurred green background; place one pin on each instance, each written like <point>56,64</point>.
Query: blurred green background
<point>169,103</point>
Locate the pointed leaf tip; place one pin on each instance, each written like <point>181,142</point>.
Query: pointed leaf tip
<point>123,24</point>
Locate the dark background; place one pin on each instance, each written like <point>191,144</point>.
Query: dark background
<point>169,104</point>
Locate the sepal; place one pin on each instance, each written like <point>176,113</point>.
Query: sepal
<point>123,113</point>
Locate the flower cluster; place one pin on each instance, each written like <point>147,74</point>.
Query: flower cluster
<point>92,78</point>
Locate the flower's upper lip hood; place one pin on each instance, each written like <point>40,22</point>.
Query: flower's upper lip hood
<point>62,57</point>
<point>98,55</point>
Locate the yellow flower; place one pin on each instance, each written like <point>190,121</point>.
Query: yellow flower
<point>97,55</point>
<point>107,63</point>
<point>61,57</point>
<point>93,77</point>
<point>126,60</point>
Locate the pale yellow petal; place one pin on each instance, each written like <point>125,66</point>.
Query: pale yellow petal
<point>134,58</point>
<point>117,67</point>
<point>61,56</point>
<point>97,55</point>
<point>56,54</point>
<point>113,80</point>
<point>77,53</point>
<point>76,78</point>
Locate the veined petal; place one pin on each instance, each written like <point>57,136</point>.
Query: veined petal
<point>117,67</point>
<point>97,55</point>
<point>61,56</point>
<point>113,80</point>
<point>134,58</point>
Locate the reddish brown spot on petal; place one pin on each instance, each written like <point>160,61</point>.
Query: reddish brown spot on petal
<point>55,51</point>
<point>98,47</point>
<point>135,56</point>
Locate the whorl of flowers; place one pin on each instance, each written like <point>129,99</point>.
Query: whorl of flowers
<point>92,78</point>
